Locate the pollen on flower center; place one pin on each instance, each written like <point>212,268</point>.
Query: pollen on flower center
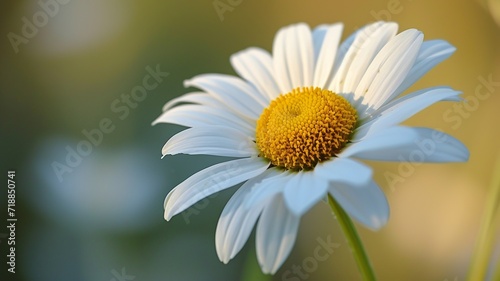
<point>304,127</point>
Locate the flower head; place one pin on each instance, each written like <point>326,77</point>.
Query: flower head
<point>298,121</point>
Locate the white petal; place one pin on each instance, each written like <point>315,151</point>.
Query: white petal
<point>346,45</point>
<point>326,41</point>
<point>388,70</point>
<point>211,140</point>
<point>346,55</point>
<point>193,115</point>
<point>404,98</point>
<point>378,143</point>
<point>293,57</point>
<point>280,66</point>
<point>439,147</point>
<point>211,180</point>
<point>367,205</point>
<point>404,110</point>
<point>276,234</point>
<point>409,144</point>
<point>318,36</point>
<point>273,183</point>
<point>256,66</point>
<point>236,222</point>
<point>344,170</point>
<point>367,54</point>
<point>194,97</point>
<point>431,53</point>
<point>368,42</point>
<point>303,191</point>
<point>239,96</point>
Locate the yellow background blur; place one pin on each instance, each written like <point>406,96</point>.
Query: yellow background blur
<point>105,216</point>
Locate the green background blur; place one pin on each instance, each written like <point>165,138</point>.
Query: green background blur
<point>105,217</point>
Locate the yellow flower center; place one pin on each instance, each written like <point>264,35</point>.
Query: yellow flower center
<point>304,127</point>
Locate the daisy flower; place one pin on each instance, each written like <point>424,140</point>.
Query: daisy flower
<point>297,122</point>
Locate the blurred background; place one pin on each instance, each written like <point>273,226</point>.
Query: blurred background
<point>90,181</point>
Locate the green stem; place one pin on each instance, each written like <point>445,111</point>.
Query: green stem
<point>485,241</point>
<point>353,240</point>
